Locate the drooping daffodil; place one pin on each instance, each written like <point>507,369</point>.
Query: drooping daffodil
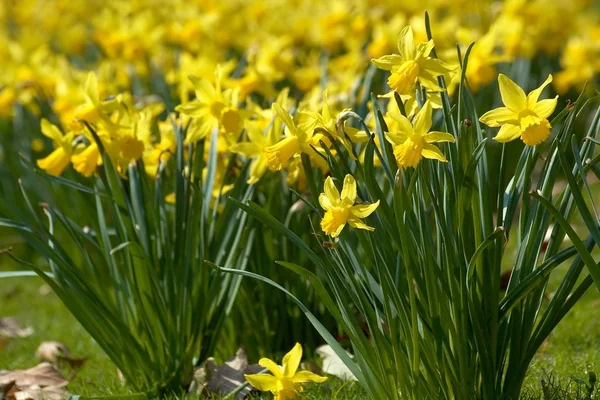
<point>523,116</point>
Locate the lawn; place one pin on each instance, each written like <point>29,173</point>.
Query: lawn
<point>571,351</point>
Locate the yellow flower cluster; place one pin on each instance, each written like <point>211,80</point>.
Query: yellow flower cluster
<point>271,80</point>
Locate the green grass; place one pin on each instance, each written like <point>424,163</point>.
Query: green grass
<point>571,350</point>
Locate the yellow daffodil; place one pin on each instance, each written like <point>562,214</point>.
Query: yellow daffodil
<point>340,209</point>
<point>296,141</point>
<point>286,381</point>
<point>413,142</point>
<point>254,149</point>
<point>412,64</point>
<point>327,120</point>
<point>523,116</point>
<point>59,159</point>
<point>214,108</point>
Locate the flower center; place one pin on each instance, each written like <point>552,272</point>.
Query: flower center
<point>215,109</point>
<point>403,79</point>
<point>408,154</point>
<point>334,220</point>
<point>280,152</point>
<point>535,131</point>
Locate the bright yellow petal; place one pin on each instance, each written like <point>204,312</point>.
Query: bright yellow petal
<point>55,162</point>
<point>364,210</point>
<point>325,203</point>
<point>404,125</point>
<point>205,91</point>
<point>291,361</point>
<point>271,366</point>
<point>422,121</point>
<point>544,108</point>
<point>508,133</point>
<point>395,138</point>
<point>285,117</point>
<point>349,190</point>
<point>436,137</point>
<point>90,88</point>
<point>307,376</point>
<point>262,382</point>
<point>498,117</point>
<point>51,131</point>
<point>358,224</point>
<point>423,49</point>
<point>432,152</point>
<point>331,191</point>
<point>387,62</point>
<point>513,96</point>
<point>534,95</point>
<point>406,43</point>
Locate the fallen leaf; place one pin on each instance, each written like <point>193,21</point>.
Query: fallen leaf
<point>10,328</point>
<point>38,393</point>
<point>3,342</point>
<point>51,350</point>
<point>226,378</point>
<point>42,375</point>
<point>333,364</point>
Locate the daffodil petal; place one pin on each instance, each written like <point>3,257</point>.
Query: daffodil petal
<point>325,203</point>
<point>364,210</point>
<point>406,43</point>
<point>534,95</point>
<point>285,117</point>
<point>307,376</point>
<point>435,137</point>
<point>422,121</point>
<point>395,138</point>
<point>331,191</point>
<point>545,108</point>
<point>205,91</point>
<point>432,152</point>
<point>387,62</point>
<point>262,382</point>
<point>51,131</point>
<point>513,96</point>
<point>291,361</point>
<point>435,67</point>
<point>349,190</point>
<point>271,366</point>
<point>498,116</point>
<point>246,148</point>
<point>358,224</point>
<point>508,133</point>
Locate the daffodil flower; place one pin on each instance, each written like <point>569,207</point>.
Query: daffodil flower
<point>524,116</point>
<point>412,64</point>
<point>296,141</point>
<point>58,160</point>
<point>413,142</point>
<point>254,149</point>
<point>214,108</point>
<point>340,209</point>
<point>286,381</point>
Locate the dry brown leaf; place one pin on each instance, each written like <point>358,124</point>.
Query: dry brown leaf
<point>51,350</point>
<point>224,379</point>
<point>10,328</point>
<point>42,375</point>
<point>38,393</point>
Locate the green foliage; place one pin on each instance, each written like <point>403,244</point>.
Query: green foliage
<point>134,277</point>
<point>427,281</point>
